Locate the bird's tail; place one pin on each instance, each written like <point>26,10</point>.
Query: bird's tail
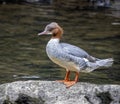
<point>105,62</point>
<point>100,63</point>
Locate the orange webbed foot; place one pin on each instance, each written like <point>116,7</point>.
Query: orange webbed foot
<point>62,81</point>
<point>69,83</point>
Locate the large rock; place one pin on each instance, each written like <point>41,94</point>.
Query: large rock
<point>50,92</point>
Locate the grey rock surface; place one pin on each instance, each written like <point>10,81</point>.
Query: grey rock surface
<point>51,92</point>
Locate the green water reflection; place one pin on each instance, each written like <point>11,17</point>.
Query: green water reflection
<point>22,52</point>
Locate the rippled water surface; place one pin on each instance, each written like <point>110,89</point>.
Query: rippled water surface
<point>22,52</point>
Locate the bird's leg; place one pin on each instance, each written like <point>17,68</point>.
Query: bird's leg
<point>67,76</point>
<point>71,83</point>
<point>66,79</point>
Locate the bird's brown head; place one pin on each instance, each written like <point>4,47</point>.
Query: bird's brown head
<point>53,29</point>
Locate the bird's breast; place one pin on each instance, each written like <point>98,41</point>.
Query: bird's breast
<point>53,48</point>
<point>55,53</point>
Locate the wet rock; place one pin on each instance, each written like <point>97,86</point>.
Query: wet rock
<point>50,92</point>
<point>25,99</point>
<point>105,97</point>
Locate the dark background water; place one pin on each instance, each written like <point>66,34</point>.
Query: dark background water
<point>22,52</point>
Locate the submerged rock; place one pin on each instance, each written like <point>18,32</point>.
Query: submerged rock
<point>50,92</point>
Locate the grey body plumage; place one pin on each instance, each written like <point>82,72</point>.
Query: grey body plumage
<point>73,58</point>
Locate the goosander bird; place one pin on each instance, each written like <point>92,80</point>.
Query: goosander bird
<point>70,57</point>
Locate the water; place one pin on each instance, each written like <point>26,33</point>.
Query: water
<point>22,52</point>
